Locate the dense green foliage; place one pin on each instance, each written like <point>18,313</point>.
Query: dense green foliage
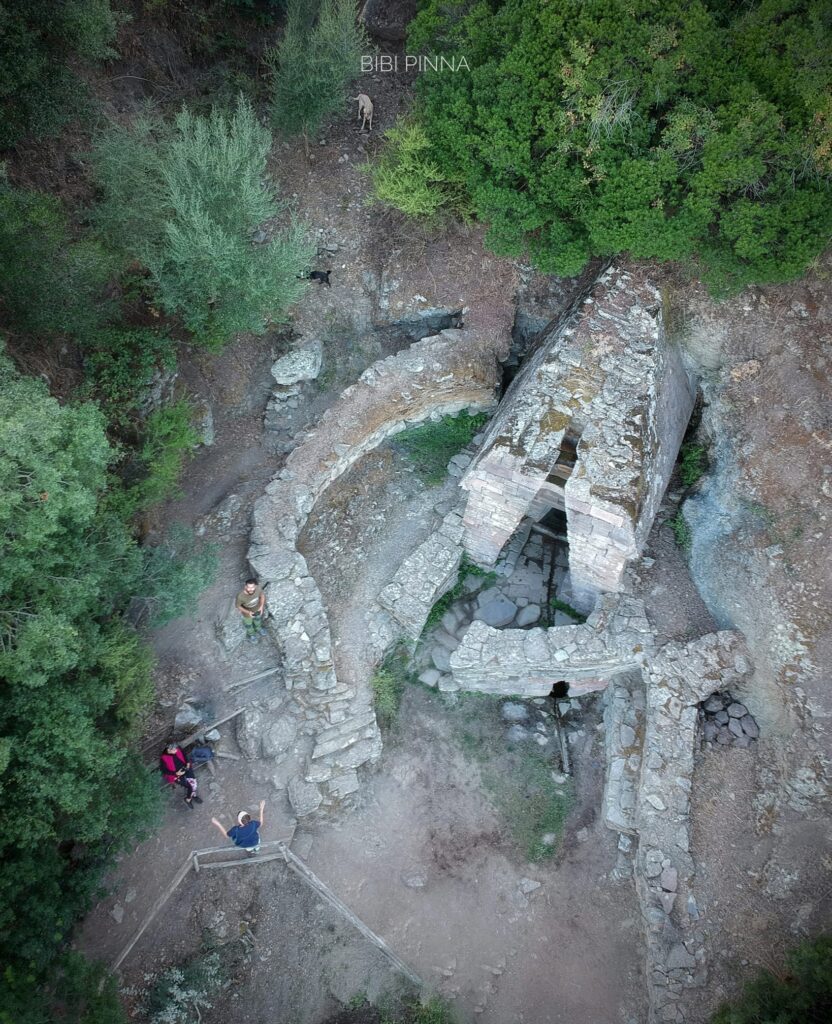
<point>680,131</point>
<point>314,62</point>
<point>50,283</point>
<point>71,990</point>
<point>75,681</point>
<point>184,199</point>
<point>407,176</point>
<point>38,92</point>
<point>801,994</point>
<point>73,675</point>
<point>431,446</point>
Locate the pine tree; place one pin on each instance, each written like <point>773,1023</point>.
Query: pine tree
<point>318,56</point>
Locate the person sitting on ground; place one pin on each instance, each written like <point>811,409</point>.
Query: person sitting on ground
<point>251,601</point>
<point>246,833</point>
<point>177,770</point>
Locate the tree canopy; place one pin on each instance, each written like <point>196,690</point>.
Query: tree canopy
<point>671,131</point>
<point>73,676</point>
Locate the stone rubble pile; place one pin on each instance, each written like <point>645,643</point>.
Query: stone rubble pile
<point>727,722</point>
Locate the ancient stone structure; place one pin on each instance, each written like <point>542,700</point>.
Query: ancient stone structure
<point>651,724</point>
<point>425,576</point>
<point>528,662</point>
<point>452,371</point>
<point>591,425</point>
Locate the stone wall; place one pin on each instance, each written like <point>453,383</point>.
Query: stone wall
<point>651,724</point>
<point>425,576</point>
<point>607,375</point>
<point>615,638</point>
<point>676,680</point>
<point>452,371</point>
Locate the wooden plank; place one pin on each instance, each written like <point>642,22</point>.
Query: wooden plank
<point>194,736</point>
<point>154,910</point>
<point>228,754</point>
<point>233,687</point>
<point>241,861</point>
<point>284,836</point>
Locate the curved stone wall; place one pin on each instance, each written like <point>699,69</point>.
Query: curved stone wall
<point>446,373</point>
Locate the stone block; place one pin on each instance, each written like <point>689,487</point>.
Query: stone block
<point>305,797</point>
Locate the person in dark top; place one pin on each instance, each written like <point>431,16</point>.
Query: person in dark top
<point>177,770</point>
<point>246,833</point>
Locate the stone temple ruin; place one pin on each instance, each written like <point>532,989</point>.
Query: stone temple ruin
<point>581,448</point>
<point>591,427</point>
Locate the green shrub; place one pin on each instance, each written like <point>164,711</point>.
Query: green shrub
<point>314,62</point>
<point>388,683</point>
<point>180,993</point>
<point>693,463</point>
<point>434,1011</point>
<point>696,132</point>
<point>407,176</point>
<point>169,439</point>
<point>184,200</point>
<point>800,994</point>
<point>119,365</point>
<point>430,447</point>
<point>681,531</point>
<point>176,571</point>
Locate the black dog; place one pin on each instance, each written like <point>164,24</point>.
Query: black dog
<point>321,276</point>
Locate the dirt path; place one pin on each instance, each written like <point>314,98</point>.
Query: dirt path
<point>427,862</point>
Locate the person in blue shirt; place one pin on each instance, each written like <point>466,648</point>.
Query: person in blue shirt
<point>246,833</point>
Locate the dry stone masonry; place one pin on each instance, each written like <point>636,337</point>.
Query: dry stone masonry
<point>528,662</point>
<point>446,373</point>
<point>591,425</point>
<point>651,721</point>
<point>676,680</point>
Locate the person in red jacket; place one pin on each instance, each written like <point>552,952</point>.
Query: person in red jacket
<point>176,769</point>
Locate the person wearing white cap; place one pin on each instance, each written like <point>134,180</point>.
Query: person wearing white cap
<point>246,833</point>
